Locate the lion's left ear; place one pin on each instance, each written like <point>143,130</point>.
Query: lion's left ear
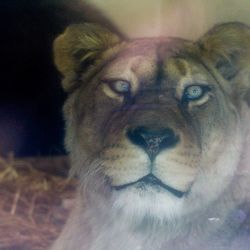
<point>227,47</point>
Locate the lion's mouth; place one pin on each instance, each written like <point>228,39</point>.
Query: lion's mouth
<point>151,180</point>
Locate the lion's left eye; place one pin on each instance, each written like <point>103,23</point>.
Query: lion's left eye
<point>194,92</point>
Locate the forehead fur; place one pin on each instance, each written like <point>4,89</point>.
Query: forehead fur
<point>154,59</point>
<point>135,54</point>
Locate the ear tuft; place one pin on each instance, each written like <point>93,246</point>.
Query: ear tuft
<point>79,46</point>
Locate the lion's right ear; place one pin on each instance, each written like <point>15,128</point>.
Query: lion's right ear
<point>79,46</point>
<point>227,47</point>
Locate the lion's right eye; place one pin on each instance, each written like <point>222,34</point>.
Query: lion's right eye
<point>119,86</point>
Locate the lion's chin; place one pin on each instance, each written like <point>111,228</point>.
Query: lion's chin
<point>136,204</point>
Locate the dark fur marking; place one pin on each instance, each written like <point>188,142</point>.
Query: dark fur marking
<point>181,67</point>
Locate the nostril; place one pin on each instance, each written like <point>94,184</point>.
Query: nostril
<point>136,136</point>
<point>152,140</point>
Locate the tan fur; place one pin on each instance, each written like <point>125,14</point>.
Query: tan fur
<point>79,43</point>
<point>208,164</point>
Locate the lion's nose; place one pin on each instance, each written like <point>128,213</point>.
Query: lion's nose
<point>152,140</point>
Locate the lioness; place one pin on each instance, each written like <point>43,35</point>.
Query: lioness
<point>158,134</point>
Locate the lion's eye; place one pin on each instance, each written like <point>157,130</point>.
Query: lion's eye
<point>194,92</point>
<point>120,86</point>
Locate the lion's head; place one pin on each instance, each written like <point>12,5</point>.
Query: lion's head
<point>156,125</point>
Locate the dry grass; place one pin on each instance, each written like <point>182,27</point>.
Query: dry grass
<point>33,205</point>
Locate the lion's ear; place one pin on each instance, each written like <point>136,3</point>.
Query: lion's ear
<point>79,46</point>
<point>227,47</point>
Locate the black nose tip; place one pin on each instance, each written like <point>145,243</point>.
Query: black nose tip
<point>153,140</point>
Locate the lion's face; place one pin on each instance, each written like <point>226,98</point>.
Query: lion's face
<point>161,125</point>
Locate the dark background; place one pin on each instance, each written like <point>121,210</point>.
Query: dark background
<point>31,97</point>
